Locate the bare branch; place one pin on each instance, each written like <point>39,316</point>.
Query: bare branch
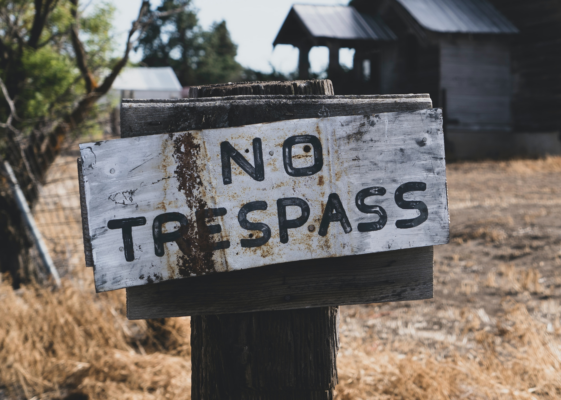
<point>53,36</point>
<point>42,10</point>
<point>9,101</point>
<point>80,52</point>
<point>136,25</point>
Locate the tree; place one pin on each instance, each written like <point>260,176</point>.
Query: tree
<point>55,64</point>
<point>218,64</point>
<point>249,74</point>
<point>197,56</point>
<point>173,40</point>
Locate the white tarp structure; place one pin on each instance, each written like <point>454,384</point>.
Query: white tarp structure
<point>147,83</point>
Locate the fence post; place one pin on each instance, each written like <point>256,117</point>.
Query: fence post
<point>31,226</point>
<point>265,355</point>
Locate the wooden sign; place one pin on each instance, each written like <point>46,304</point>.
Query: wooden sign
<point>186,204</point>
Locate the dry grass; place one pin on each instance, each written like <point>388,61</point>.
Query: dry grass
<point>520,358</point>
<point>547,164</point>
<point>57,342</point>
<point>492,230</point>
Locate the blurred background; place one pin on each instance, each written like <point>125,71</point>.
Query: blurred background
<point>493,330</point>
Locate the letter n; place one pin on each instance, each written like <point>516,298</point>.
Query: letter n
<point>227,152</point>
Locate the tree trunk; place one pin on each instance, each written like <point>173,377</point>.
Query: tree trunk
<point>266,355</point>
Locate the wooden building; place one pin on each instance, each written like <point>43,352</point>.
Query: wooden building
<point>335,27</point>
<point>536,61</point>
<point>482,61</point>
<point>147,83</point>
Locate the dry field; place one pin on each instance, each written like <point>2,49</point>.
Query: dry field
<point>492,331</point>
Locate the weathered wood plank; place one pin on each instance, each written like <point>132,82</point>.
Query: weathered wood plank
<point>309,87</point>
<point>144,303</point>
<point>84,216</point>
<point>150,117</point>
<point>373,278</point>
<point>395,161</point>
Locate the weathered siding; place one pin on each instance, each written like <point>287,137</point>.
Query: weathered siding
<point>424,72</point>
<point>476,75</point>
<point>389,75</point>
<point>410,67</point>
<point>536,57</point>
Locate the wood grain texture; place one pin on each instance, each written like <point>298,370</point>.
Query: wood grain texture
<point>397,155</point>
<point>271,355</point>
<point>206,284</point>
<point>276,355</point>
<point>373,278</point>
<point>309,87</point>
<point>150,117</point>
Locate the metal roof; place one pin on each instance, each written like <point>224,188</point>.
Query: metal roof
<point>151,79</point>
<point>342,22</point>
<point>458,16</point>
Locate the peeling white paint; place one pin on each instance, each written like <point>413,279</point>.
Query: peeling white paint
<point>358,153</point>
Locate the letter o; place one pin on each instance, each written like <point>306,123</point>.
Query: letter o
<point>287,155</point>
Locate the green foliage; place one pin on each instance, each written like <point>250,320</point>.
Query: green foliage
<point>218,64</point>
<point>196,56</point>
<point>173,40</point>
<point>48,88</point>
<point>43,79</point>
<point>97,35</point>
<point>251,75</point>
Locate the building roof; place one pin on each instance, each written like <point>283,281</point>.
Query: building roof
<point>332,22</point>
<point>149,79</point>
<point>458,16</point>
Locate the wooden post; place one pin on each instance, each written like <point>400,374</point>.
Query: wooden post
<point>304,61</point>
<point>265,355</point>
<point>334,66</point>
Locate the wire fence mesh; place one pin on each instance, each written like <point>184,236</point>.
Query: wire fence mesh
<point>57,212</point>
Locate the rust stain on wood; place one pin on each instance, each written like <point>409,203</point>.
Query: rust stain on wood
<point>187,177</point>
<point>195,242</point>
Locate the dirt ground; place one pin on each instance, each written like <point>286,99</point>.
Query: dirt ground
<point>502,268</point>
<point>492,331</point>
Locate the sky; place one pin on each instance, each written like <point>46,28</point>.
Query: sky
<point>253,25</point>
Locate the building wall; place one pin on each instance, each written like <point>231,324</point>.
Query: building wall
<point>389,75</point>
<point>536,60</point>
<point>410,67</point>
<point>475,73</point>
